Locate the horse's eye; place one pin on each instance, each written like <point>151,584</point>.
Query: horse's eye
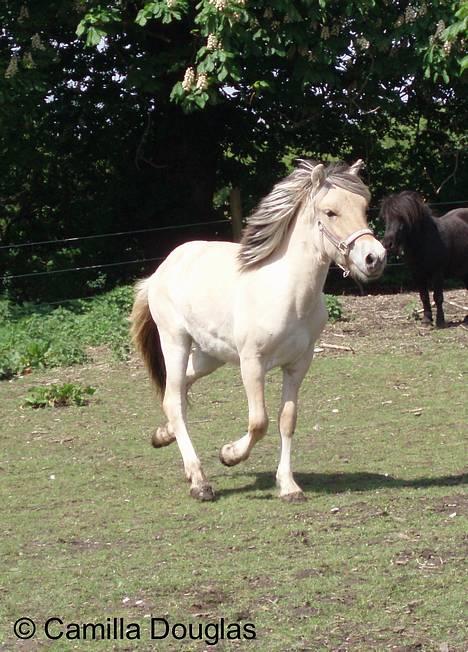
<point>329,212</point>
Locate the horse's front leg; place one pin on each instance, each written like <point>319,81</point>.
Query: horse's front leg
<point>253,377</point>
<point>427,310</point>
<point>292,379</point>
<point>439,301</point>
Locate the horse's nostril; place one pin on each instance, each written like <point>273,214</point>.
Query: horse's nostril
<point>371,260</point>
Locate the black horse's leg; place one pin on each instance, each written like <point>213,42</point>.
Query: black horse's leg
<point>465,280</point>
<point>439,300</point>
<point>424,294</point>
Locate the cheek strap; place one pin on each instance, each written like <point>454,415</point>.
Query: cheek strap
<point>343,246</point>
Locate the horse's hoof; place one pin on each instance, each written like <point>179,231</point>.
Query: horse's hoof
<point>441,324</point>
<point>204,492</point>
<point>226,460</point>
<point>295,497</point>
<point>161,437</point>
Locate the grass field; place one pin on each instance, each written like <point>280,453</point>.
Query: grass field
<point>96,524</point>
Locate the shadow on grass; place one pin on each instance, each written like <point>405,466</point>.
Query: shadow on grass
<point>335,483</point>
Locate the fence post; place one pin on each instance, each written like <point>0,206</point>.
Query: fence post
<point>236,213</point>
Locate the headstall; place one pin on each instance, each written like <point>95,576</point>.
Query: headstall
<point>343,246</point>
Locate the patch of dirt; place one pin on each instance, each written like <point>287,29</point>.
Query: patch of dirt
<point>452,506</point>
<point>206,601</point>
<point>391,322</point>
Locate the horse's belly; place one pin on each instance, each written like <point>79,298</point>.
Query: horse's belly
<point>214,339</point>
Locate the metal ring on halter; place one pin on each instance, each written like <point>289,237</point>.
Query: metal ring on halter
<point>343,246</point>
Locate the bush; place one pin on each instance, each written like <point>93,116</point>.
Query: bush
<point>59,395</point>
<point>334,307</point>
<point>39,336</point>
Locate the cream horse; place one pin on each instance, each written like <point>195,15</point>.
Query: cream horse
<point>258,304</point>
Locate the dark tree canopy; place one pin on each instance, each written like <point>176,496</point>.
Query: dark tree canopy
<point>138,114</point>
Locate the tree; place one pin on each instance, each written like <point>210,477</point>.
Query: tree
<point>173,101</point>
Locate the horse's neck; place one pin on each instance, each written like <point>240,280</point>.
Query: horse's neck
<point>307,267</point>
<point>425,230</point>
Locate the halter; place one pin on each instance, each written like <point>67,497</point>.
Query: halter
<point>343,246</point>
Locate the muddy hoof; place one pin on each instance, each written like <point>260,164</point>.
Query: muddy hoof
<point>441,324</point>
<point>296,497</point>
<point>205,492</point>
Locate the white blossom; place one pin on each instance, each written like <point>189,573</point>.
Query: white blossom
<point>28,60</point>
<point>36,42</point>
<point>362,43</point>
<point>189,79</point>
<point>12,68</point>
<point>220,5</point>
<point>440,28</point>
<point>410,14</point>
<point>202,82</point>
<point>212,42</point>
<point>23,14</point>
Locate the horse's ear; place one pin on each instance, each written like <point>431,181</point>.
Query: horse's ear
<point>318,175</point>
<point>355,168</point>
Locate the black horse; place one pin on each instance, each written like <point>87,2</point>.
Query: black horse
<point>434,247</point>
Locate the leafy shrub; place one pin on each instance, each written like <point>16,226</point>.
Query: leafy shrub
<point>59,395</point>
<point>334,307</point>
<point>38,336</point>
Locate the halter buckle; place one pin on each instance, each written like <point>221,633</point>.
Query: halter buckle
<point>343,247</point>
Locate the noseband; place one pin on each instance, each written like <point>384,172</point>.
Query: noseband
<point>343,246</point>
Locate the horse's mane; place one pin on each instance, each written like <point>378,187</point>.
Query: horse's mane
<point>407,206</point>
<point>268,225</point>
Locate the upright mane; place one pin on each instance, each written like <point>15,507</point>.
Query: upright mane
<point>407,206</point>
<point>268,225</point>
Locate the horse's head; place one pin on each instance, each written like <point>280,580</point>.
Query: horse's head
<point>340,207</point>
<point>402,213</point>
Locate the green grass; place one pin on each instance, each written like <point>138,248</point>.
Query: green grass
<point>97,524</point>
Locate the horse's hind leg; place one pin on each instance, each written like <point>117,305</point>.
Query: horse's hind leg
<point>465,280</point>
<point>253,377</point>
<point>199,364</point>
<point>176,354</point>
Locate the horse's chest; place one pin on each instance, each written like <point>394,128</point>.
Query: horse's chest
<point>289,338</point>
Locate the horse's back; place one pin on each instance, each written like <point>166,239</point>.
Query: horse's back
<point>454,230</point>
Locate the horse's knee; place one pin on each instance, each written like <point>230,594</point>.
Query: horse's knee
<point>258,426</point>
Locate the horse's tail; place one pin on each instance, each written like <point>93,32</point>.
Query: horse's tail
<point>145,336</point>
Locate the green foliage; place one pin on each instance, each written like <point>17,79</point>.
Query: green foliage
<point>227,36</point>
<point>446,55</point>
<point>35,337</point>
<point>334,308</point>
<point>59,395</point>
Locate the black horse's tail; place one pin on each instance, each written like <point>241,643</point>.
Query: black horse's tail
<point>145,336</point>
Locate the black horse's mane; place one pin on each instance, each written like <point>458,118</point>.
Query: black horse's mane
<point>407,206</point>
